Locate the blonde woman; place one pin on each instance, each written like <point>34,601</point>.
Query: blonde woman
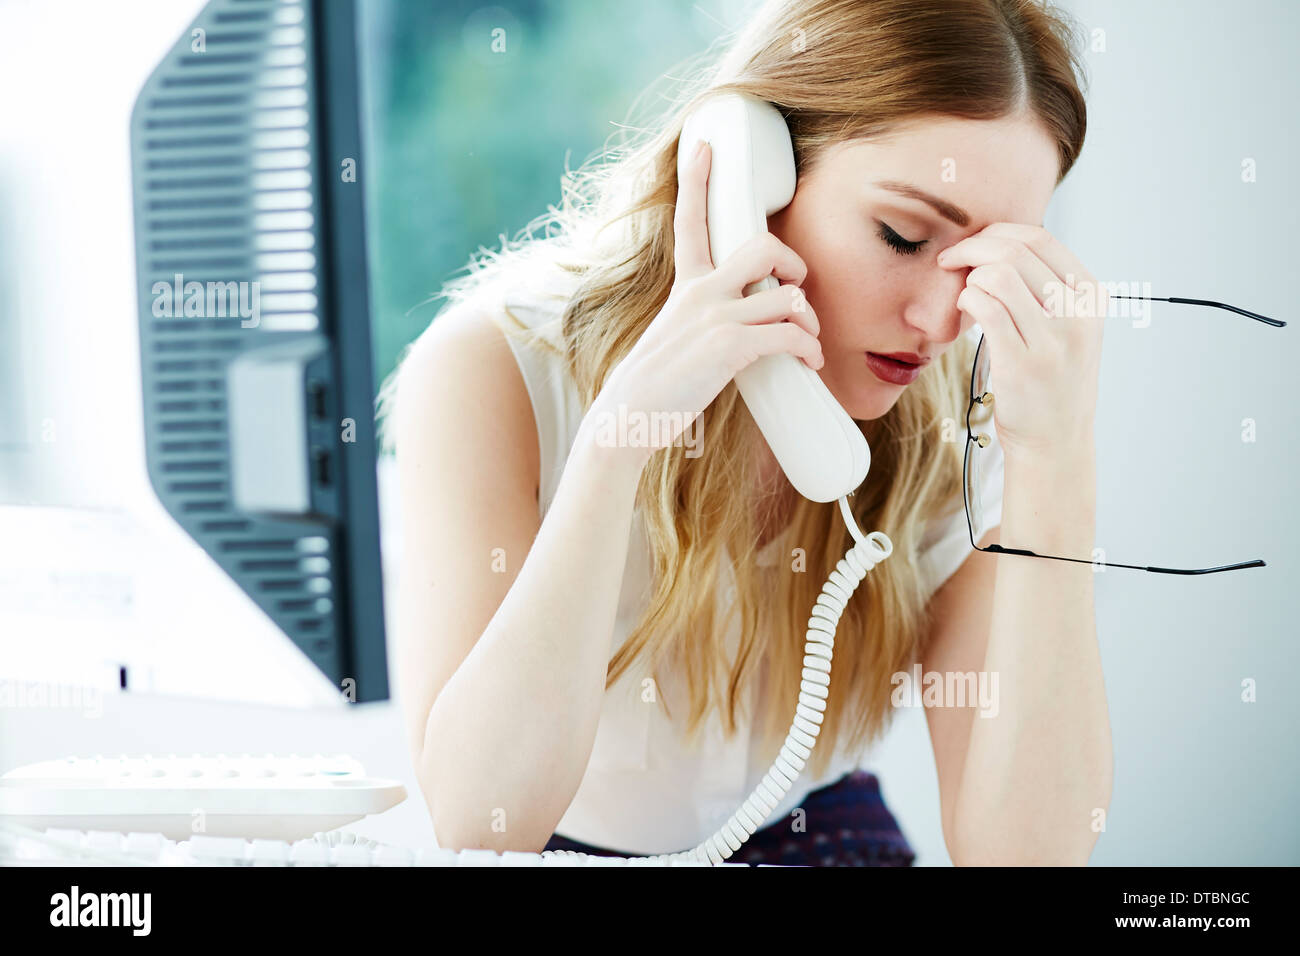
<point>600,641</point>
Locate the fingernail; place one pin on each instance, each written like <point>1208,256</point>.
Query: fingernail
<point>699,149</point>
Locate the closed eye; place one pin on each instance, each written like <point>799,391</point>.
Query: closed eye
<point>898,243</point>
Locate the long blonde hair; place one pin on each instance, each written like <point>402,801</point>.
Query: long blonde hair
<point>837,69</point>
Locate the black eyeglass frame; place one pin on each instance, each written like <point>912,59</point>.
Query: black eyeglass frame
<point>986,399</point>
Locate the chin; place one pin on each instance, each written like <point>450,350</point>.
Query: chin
<point>869,409</point>
<point>863,396</point>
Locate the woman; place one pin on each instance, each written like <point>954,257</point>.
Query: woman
<point>600,642</point>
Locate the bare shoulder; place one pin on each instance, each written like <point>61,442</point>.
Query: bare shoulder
<point>460,388</point>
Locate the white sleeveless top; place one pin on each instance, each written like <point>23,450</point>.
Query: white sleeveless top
<point>646,789</point>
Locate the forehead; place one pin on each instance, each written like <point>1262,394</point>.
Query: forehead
<point>1001,170</point>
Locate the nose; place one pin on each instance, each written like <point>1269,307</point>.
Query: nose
<point>933,310</point>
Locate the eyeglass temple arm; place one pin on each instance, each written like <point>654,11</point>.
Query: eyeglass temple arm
<point>1257,563</point>
<point>997,548</point>
<point>1276,323</point>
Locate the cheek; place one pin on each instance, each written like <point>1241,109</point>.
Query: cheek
<point>854,282</point>
<point>853,289</point>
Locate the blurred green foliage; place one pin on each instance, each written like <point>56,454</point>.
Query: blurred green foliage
<point>467,143</point>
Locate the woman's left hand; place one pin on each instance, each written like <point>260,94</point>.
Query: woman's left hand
<point>1042,314</point>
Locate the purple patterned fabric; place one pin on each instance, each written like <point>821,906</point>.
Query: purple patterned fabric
<point>845,824</point>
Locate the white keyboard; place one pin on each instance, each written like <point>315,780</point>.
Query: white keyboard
<point>221,810</point>
<point>23,846</point>
<point>252,797</point>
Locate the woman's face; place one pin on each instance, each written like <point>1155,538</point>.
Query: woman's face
<point>870,247</point>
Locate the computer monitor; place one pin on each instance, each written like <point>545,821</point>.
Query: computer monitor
<point>254,319</point>
<point>215,534</point>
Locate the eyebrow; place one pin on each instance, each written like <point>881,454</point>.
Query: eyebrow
<point>946,209</point>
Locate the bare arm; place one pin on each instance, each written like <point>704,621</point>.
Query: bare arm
<point>958,644</point>
<point>1035,778</point>
<point>503,654</point>
<point>1023,785</point>
<point>503,670</point>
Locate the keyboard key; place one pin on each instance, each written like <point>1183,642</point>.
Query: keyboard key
<point>391,856</point>
<point>309,853</point>
<point>217,851</point>
<point>104,840</point>
<point>478,858</point>
<point>513,858</point>
<point>437,857</point>
<point>145,844</point>
<point>350,856</point>
<point>70,837</point>
<point>268,853</point>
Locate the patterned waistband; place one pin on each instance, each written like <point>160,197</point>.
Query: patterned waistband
<point>844,824</point>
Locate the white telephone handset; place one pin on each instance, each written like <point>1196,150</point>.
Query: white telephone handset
<point>752,176</point>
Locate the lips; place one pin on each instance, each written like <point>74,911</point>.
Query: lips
<point>907,358</point>
<point>893,369</point>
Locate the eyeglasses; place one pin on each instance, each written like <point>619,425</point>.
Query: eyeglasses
<point>979,395</point>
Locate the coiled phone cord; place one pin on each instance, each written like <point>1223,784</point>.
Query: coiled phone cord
<point>819,643</point>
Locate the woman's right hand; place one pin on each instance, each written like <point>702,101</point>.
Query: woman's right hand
<point>707,330</point>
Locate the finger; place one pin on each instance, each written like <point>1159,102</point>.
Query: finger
<point>1058,256</point>
<point>760,257</point>
<point>982,249</point>
<point>776,337</point>
<point>1002,281</point>
<point>690,219</point>
<point>994,321</point>
<point>774,305</point>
